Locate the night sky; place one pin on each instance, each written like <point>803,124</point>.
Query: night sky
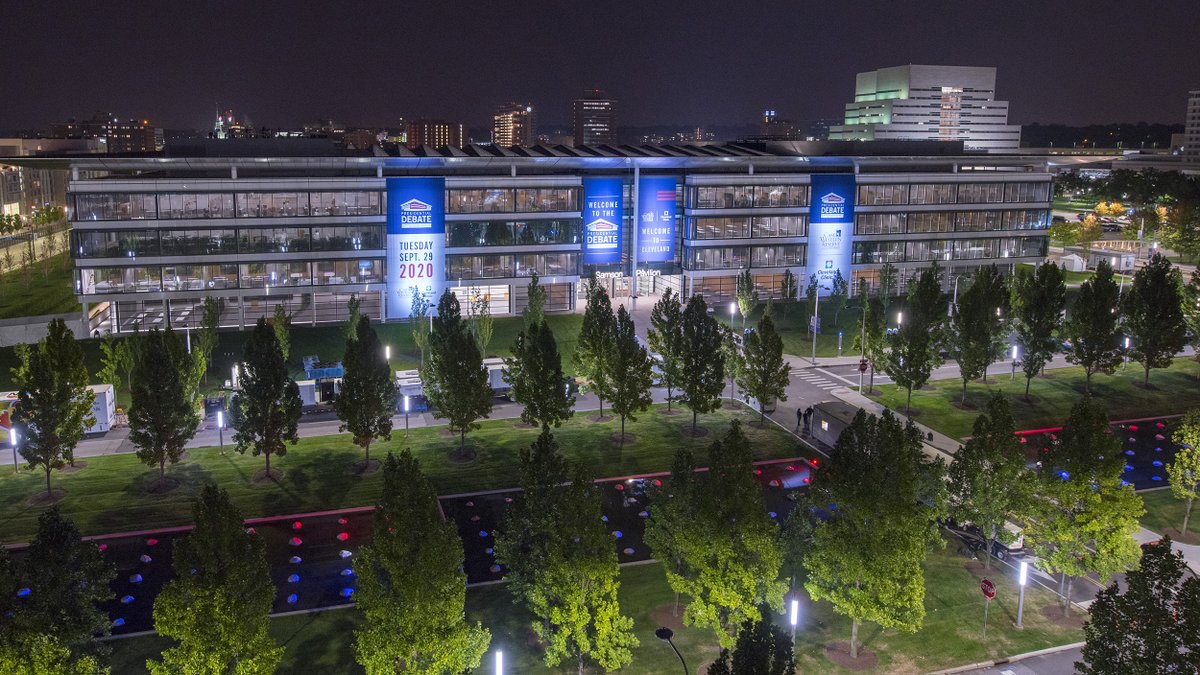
<point>709,62</point>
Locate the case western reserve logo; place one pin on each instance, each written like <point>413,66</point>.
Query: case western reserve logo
<point>833,205</point>
<point>415,213</point>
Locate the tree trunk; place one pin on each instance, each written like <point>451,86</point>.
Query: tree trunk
<point>1187,513</point>
<point>987,558</point>
<point>601,415</point>
<point>1067,605</point>
<point>693,421</point>
<point>908,404</point>
<point>762,414</point>
<point>1028,379</point>
<point>964,398</point>
<point>1146,379</point>
<point>854,639</point>
<point>622,446</point>
<point>268,456</point>
<point>581,662</point>
<point>1087,381</point>
<point>669,397</point>
<point>462,440</point>
<point>162,470</point>
<point>367,449</point>
<point>48,480</point>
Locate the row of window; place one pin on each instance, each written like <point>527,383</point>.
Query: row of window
<point>156,278</point>
<point>513,233</point>
<point>512,200</point>
<point>748,196</point>
<point>149,242</point>
<point>952,193</point>
<point>746,227</point>
<point>506,265</point>
<point>875,252</point>
<point>950,221</point>
<point>735,257</point>
<point>175,205</point>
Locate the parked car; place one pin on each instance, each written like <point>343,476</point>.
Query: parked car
<point>1058,219</point>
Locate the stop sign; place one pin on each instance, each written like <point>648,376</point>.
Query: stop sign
<point>988,588</point>
<point>862,366</point>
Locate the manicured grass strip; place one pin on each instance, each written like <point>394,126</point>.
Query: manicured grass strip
<point>1165,512</point>
<point>1173,390</point>
<point>109,494</point>
<point>44,288</point>
<point>951,635</point>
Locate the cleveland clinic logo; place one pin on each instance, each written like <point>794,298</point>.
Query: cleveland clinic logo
<point>415,213</point>
<point>833,205</point>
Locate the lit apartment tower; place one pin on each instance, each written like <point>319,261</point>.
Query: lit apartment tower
<point>1191,128</point>
<point>514,124</point>
<point>434,133</point>
<point>774,127</point>
<point>595,119</point>
<point>132,136</point>
<point>934,103</point>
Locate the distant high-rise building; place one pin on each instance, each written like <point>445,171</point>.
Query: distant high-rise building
<point>434,133</point>
<point>514,124</point>
<point>936,103</point>
<point>1191,128</point>
<point>779,129</point>
<point>229,125</point>
<point>132,136</point>
<point>361,139</point>
<point>595,119</point>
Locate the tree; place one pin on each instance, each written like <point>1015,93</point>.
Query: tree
<point>665,337</point>
<point>420,327</point>
<point>1191,311</point>
<point>354,313</point>
<point>917,341</point>
<point>593,349</point>
<point>217,608</point>
<point>535,307</point>
<point>112,355</point>
<point>839,291</point>
<point>747,295</point>
<point>872,338</point>
<point>162,415</point>
<point>788,290</point>
<point>1092,328</point>
<point>810,294</point>
<point>457,382</point>
<point>762,648</point>
<point>1180,231</point>
<point>730,556</point>
<point>987,475</point>
<point>764,371</point>
<point>702,367</point>
<point>978,326</point>
<point>38,654</point>
<point>888,276</point>
<point>866,558</point>
<point>1184,471</point>
<point>54,405</point>
<point>671,531</point>
<point>411,586</point>
<point>367,400</point>
<point>1153,627</point>
<point>206,338</point>
<point>481,321</point>
<point>281,322</point>
<point>731,354</point>
<point>1084,517</point>
<point>631,373</point>
<point>535,374</point>
<point>1153,313</point>
<point>1039,299</point>
<point>562,565</point>
<point>266,409</point>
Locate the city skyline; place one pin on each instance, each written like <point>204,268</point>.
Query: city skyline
<point>695,71</point>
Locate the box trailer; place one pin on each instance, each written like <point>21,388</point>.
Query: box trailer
<point>104,408</point>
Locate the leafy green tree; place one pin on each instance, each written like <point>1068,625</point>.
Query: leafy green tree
<point>839,292</point>
<point>281,322</point>
<point>702,366</point>
<point>481,320</point>
<point>1084,518</point>
<point>747,295</point>
<point>729,550</point>
<point>866,558</point>
<point>367,400</point>
<point>1093,327</point>
<point>535,374</point>
<point>412,590</point>
<point>916,343</point>
<point>54,405</point>
<point>162,416</point>
<point>1153,312</point>
<point>731,354</point>
<point>1191,311</point>
<point>764,371</point>
<point>888,283</point>
<point>671,533</point>
<point>987,475</point>
<point>206,340</point>
<point>872,338</point>
<point>1153,627</point>
<point>39,654</point>
<point>788,290</point>
<point>354,313</point>
<point>593,349</point>
<point>266,409</point>
<point>535,307</point>
<point>217,608</point>
<point>419,316</point>
<point>665,337</point>
<point>810,295</point>
<point>762,648</point>
<point>112,353</point>
<point>1180,231</point>
<point>1184,471</point>
<point>1039,299</point>
<point>457,382</point>
<point>631,373</point>
<point>979,326</point>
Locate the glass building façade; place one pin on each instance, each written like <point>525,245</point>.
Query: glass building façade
<point>154,235</point>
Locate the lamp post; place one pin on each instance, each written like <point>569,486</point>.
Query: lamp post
<point>387,353</point>
<point>816,320</point>
<point>954,302</point>
<point>665,634</point>
<point>839,343</point>
<point>406,418</point>
<point>1021,579</point>
<point>1126,363</point>
<point>862,344</point>
<point>499,662</point>
<point>732,313</point>
<point>1014,362</point>
<point>12,437</point>
<point>899,319</point>
<point>221,429</point>
<point>794,618</point>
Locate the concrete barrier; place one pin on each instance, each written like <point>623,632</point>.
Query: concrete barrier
<point>30,329</point>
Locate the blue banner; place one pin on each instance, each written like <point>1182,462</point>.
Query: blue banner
<point>416,242</point>
<point>656,219</point>
<point>602,211</point>
<point>830,229</point>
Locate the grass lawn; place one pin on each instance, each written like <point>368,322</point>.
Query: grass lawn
<point>1080,277</point>
<point>950,636</point>
<point>1164,515</point>
<point>792,326</point>
<point>110,493</point>
<point>1174,390</point>
<point>46,288</point>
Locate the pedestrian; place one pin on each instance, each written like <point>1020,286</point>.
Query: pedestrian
<point>799,417</point>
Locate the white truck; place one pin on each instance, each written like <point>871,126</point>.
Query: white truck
<point>104,407</point>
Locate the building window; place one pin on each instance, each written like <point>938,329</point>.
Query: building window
<point>199,277</point>
<point>931,193</point>
<point>347,237</point>
<point>115,206</point>
<point>547,199</point>
<point>979,221</point>
<point>173,205</point>
<point>99,280</point>
<point>869,195</point>
<point>272,204</point>
<point>780,255</point>
<point>980,193</point>
<point>115,243</point>
<point>717,257</point>
<point>876,252</point>
<point>744,227</point>
<point>879,223</point>
<point>198,242</point>
<point>349,203</point>
<point>497,200</point>
<point>938,221</point>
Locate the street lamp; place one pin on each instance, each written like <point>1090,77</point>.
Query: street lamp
<point>221,429</point>
<point>816,321</point>
<point>499,662</point>
<point>1126,364</point>
<point>406,415</point>
<point>732,313</point>
<point>665,634</point>
<point>794,618</point>
<point>12,437</point>
<point>234,381</point>
<point>1014,362</point>
<point>899,319</point>
<point>1021,579</point>
<point>387,353</point>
